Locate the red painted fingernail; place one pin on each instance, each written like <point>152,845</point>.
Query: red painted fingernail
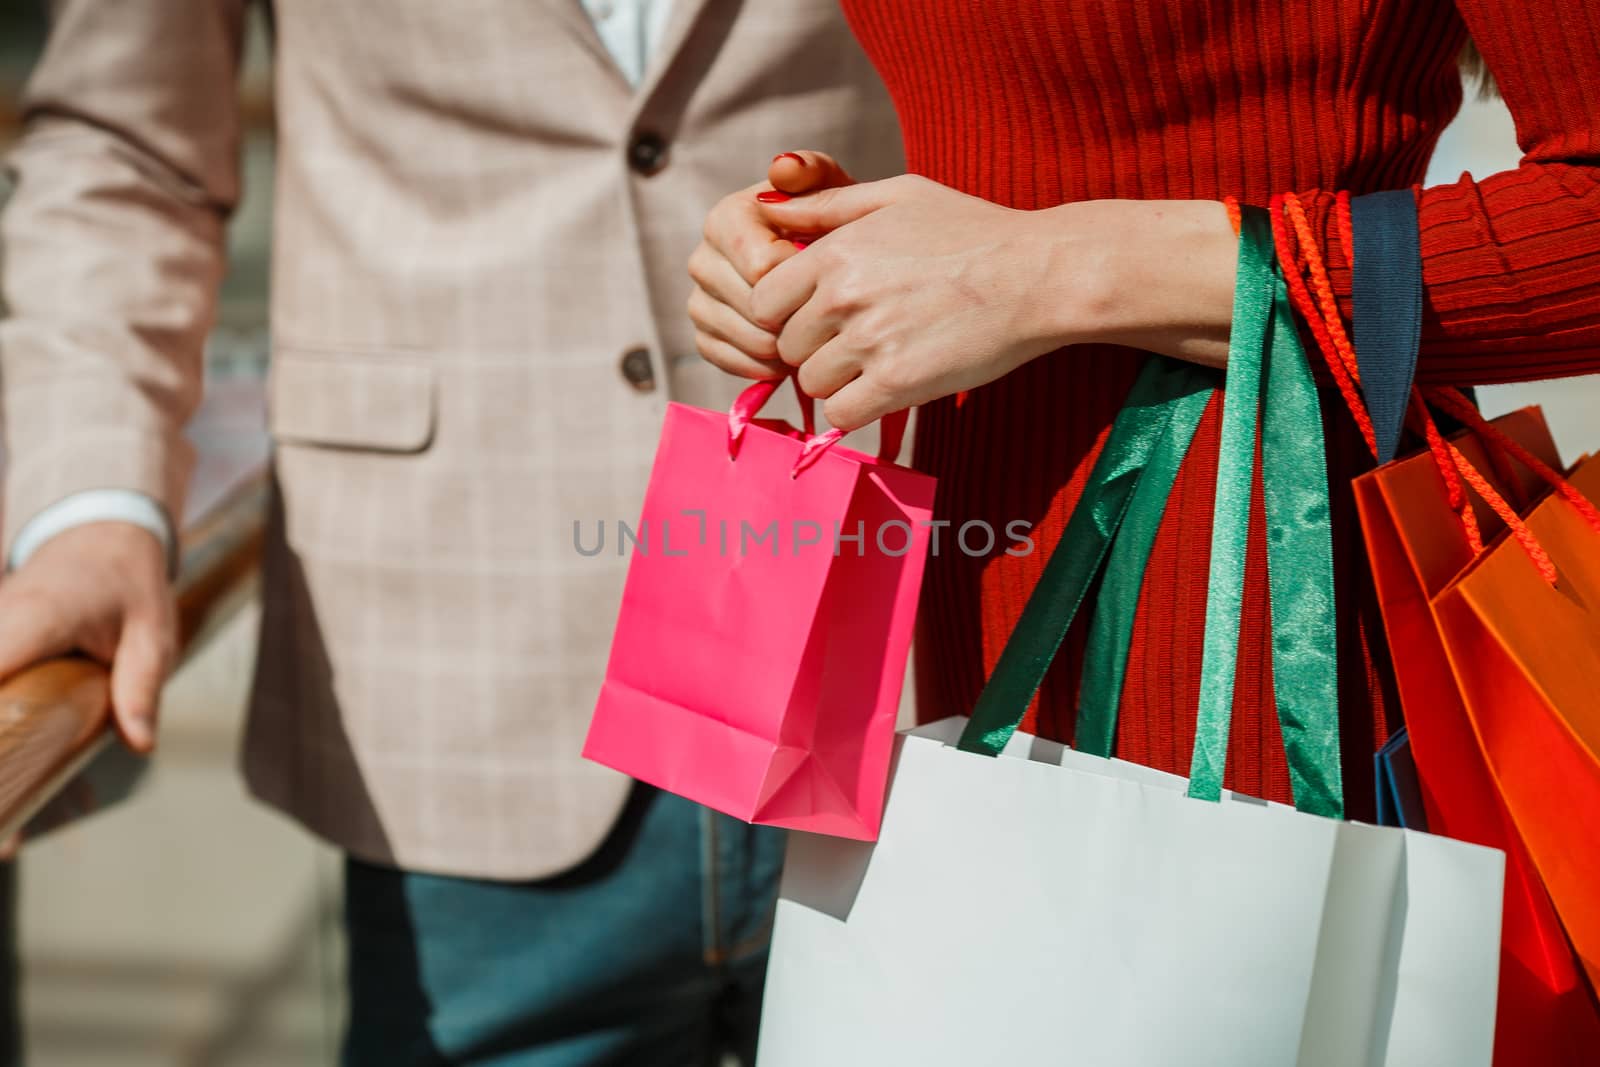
<point>772,196</point>
<point>796,156</point>
<point>799,244</point>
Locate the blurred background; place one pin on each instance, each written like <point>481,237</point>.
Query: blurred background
<point>190,927</point>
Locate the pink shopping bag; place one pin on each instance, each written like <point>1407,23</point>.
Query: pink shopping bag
<point>761,647</point>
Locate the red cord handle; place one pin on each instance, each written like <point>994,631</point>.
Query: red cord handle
<point>1459,407</point>
<point>1327,327</point>
<point>1339,353</point>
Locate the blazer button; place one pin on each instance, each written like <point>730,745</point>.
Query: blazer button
<point>636,370</point>
<point>647,153</point>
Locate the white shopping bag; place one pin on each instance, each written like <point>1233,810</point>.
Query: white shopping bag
<point>1052,907</point>
<point>1028,904</point>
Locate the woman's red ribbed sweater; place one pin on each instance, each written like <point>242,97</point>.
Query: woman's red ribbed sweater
<point>1032,103</point>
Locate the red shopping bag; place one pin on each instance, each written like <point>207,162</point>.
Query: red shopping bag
<point>1417,546</point>
<point>1523,638</point>
<point>761,648</point>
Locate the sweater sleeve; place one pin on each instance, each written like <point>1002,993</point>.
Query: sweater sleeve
<point>1511,263</point>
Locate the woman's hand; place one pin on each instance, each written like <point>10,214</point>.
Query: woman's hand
<point>740,246</point>
<point>910,291</point>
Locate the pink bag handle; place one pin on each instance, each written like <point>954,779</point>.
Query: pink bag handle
<point>892,429</point>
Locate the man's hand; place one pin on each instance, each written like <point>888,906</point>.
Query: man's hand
<point>100,589</point>
<point>739,247</point>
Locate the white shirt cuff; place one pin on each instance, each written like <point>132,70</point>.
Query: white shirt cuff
<point>93,505</point>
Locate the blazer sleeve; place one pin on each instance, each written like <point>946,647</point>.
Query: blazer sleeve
<point>1511,263</point>
<point>114,246</point>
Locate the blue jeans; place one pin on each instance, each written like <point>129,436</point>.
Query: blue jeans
<point>652,952</point>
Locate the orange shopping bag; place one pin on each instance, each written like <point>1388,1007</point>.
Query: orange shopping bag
<point>1417,546</point>
<point>1523,639</point>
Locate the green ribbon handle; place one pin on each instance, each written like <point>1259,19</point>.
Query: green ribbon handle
<point>1230,524</point>
<point>1305,667</point>
<point>1111,627</point>
<point>1269,381</point>
<point>1269,387</point>
<point>1164,390</point>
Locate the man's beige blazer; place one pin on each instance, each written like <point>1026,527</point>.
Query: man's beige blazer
<point>477,318</point>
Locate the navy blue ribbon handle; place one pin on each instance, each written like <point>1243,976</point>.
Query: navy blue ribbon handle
<point>1386,290</point>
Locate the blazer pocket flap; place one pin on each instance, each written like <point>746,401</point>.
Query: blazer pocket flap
<point>380,404</point>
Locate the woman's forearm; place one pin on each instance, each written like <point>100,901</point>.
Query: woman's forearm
<point>1155,275</point>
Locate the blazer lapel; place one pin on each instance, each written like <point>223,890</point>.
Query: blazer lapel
<point>571,14</point>
<point>681,22</point>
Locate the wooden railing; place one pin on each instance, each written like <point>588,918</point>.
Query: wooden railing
<point>55,718</point>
